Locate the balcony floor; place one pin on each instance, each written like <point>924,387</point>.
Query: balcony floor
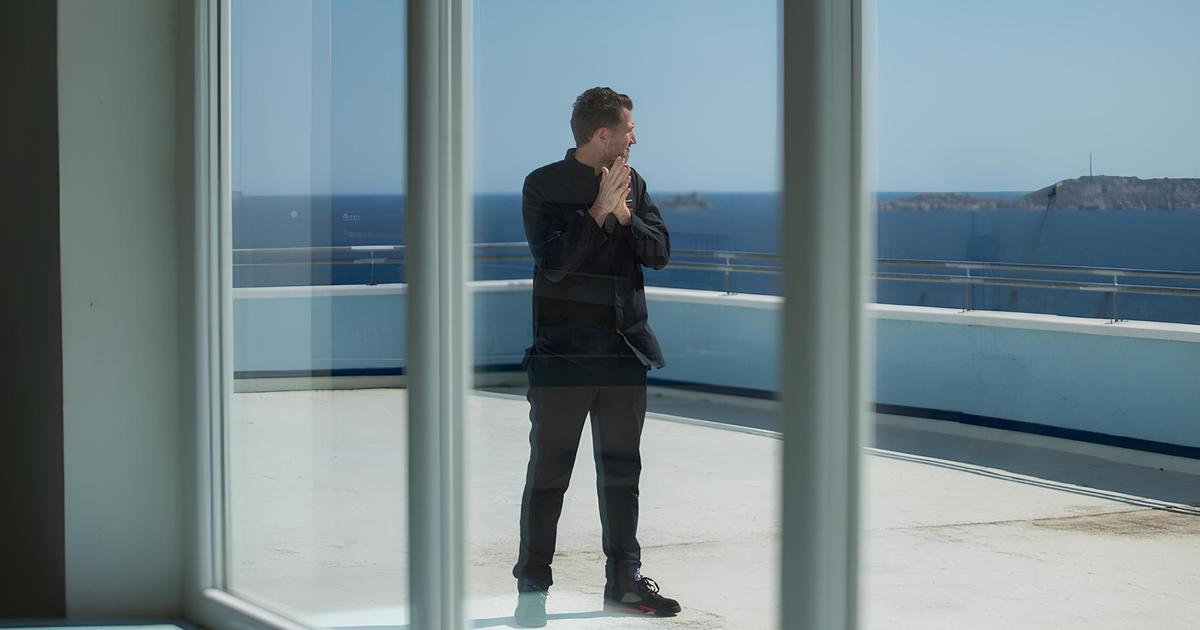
<point>965,539</point>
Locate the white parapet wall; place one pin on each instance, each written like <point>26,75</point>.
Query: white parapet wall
<point>1132,384</point>
<point>1135,380</point>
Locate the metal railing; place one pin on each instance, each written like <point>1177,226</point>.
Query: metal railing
<point>730,262</point>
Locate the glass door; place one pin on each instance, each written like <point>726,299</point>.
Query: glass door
<point>317,520</point>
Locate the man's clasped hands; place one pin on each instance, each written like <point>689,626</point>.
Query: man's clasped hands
<point>614,188</point>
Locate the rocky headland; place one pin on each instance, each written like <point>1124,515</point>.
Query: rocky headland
<point>690,201</point>
<point>1099,192</point>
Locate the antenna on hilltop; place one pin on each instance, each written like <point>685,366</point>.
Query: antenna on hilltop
<point>1089,163</point>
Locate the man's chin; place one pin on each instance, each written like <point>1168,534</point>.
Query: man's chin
<point>613,161</point>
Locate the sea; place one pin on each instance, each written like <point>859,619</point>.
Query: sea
<point>278,241</point>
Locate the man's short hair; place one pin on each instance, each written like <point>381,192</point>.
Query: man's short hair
<point>596,108</point>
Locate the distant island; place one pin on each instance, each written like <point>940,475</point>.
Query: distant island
<point>690,201</point>
<point>1098,192</point>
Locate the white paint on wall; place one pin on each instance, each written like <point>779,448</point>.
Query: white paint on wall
<point>121,433</point>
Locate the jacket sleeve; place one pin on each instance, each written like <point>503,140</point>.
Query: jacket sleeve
<point>651,240</point>
<point>560,237</point>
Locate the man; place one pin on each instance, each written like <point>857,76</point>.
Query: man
<point>591,228</point>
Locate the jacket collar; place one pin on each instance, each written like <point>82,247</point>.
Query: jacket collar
<point>576,166</point>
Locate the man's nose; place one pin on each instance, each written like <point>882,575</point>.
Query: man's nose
<point>632,138</point>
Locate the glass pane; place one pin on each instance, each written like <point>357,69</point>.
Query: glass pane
<point>317,525</point>
<point>583,463</point>
<point>1035,459</point>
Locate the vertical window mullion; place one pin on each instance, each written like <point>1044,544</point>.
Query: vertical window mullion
<point>437,218</point>
<point>825,254</point>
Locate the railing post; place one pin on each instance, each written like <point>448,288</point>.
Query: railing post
<point>728,279</point>
<point>1116,312</point>
<point>967,292</point>
<point>371,281</point>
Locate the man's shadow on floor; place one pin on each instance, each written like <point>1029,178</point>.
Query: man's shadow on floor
<point>509,622</point>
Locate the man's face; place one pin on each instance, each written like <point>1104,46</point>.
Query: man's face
<point>621,138</point>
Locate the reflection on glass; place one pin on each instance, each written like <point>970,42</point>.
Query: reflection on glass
<point>1039,290</point>
<point>317,524</point>
<point>622,453</point>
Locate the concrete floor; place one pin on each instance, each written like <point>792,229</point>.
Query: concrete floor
<point>966,538</point>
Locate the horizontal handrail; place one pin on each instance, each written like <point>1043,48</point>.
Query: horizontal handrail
<point>730,255</point>
<point>521,245</point>
<point>1120,272</point>
<point>1041,284</point>
<point>723,261</point>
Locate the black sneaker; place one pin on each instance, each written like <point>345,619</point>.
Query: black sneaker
<point>531,605</point>
<point>641,597</point>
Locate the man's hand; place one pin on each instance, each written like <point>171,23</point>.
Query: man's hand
<point>623,213</point>
<point>614,186</point>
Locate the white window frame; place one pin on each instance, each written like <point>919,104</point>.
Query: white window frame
<point>827,238</point>
<point>827,257</point>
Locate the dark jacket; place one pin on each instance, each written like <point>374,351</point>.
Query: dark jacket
<point>587,279</point>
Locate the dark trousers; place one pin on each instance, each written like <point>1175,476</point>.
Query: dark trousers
<point>561,395</point>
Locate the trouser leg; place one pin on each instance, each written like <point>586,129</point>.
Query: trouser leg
<point>618,415</point>
<point>556,415</point>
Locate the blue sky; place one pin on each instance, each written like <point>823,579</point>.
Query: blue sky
<point>971,94</point>
<point>1013,94</point>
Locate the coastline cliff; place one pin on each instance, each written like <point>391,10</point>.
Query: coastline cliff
<point>1099,192</point>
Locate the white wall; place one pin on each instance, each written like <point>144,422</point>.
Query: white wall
<point>120,304</point>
